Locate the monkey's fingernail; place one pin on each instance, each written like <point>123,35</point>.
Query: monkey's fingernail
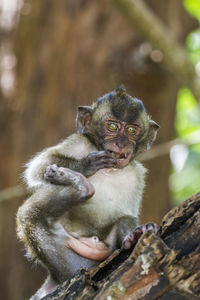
<point>151,226</point>
<point>139,230</point>
<point>131,236</point>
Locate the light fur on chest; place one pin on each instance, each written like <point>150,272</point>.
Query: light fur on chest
<point>118,192</point>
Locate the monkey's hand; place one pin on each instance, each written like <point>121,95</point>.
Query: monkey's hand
<point>98,160</point>
<point>132,238</point>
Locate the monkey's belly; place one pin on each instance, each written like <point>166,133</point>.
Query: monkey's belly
<point>115,196</point>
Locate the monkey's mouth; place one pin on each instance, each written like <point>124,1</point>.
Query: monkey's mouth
<point>121,155</point>
<point>122,158</point>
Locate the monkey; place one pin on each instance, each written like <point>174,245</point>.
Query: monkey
<point>87,190</point>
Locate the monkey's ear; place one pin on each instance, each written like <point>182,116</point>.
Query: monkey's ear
<point>152,133</point>
<point>83,119</point>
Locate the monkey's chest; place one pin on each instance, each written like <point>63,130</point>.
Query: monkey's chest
<point>116,194</point>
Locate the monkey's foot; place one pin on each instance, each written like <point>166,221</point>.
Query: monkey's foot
<point>89,247</point>
<point>132,238</point>
<point>65,176</point>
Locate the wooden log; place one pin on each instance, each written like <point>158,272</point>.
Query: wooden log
<point>164,266</point>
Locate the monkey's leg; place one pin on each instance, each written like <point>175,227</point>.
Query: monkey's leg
<point>39,228</point>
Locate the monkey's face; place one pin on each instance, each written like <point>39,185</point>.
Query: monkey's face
<point>120,139</point>
<point>118,123</point>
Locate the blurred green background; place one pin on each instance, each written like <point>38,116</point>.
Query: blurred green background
<point>185,177</point>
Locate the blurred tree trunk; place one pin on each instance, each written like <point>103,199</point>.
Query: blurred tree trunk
<point>69,53</point>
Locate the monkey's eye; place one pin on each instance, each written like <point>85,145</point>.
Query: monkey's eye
<point>112,126</point>
<point>131,129</point>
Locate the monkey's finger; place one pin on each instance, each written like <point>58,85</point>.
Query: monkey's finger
<point>152,226</point>
<point>130,241</point>
<point>49,173</point>
<point>110,153</point>
<point>102,161</point>
<point>104,154</point>
<point>110,164</point>
<point>96,154</point>
<point>52,168</point>
<point>147,227</point>
<point>111,160</point>
<point>127,244</point>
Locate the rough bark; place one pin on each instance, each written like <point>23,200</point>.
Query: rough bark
<point>163,266</point>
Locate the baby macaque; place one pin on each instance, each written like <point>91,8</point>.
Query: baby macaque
<point>87,190</point>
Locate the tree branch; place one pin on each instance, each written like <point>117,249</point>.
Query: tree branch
<point>13,193</point>
<point>164,148</point>
<point>175,58</point>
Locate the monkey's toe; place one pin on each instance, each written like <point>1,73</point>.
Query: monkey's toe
<point>129,241</point>
<point>151,227</point>
<point>50,171</point>
<point>54,174</point>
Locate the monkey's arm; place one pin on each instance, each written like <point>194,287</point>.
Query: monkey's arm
<point>36,168</point>
<point>88,165</point>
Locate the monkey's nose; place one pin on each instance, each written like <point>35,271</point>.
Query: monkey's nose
<point>122,143</point>
<point>120,147</point>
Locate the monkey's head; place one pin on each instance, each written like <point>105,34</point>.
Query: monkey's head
<point>118,123</point>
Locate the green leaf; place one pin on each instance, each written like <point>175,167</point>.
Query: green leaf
<point>193,46</point>
<point>187,119</point>
<point>193,7</point>
<point>186,182</point>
